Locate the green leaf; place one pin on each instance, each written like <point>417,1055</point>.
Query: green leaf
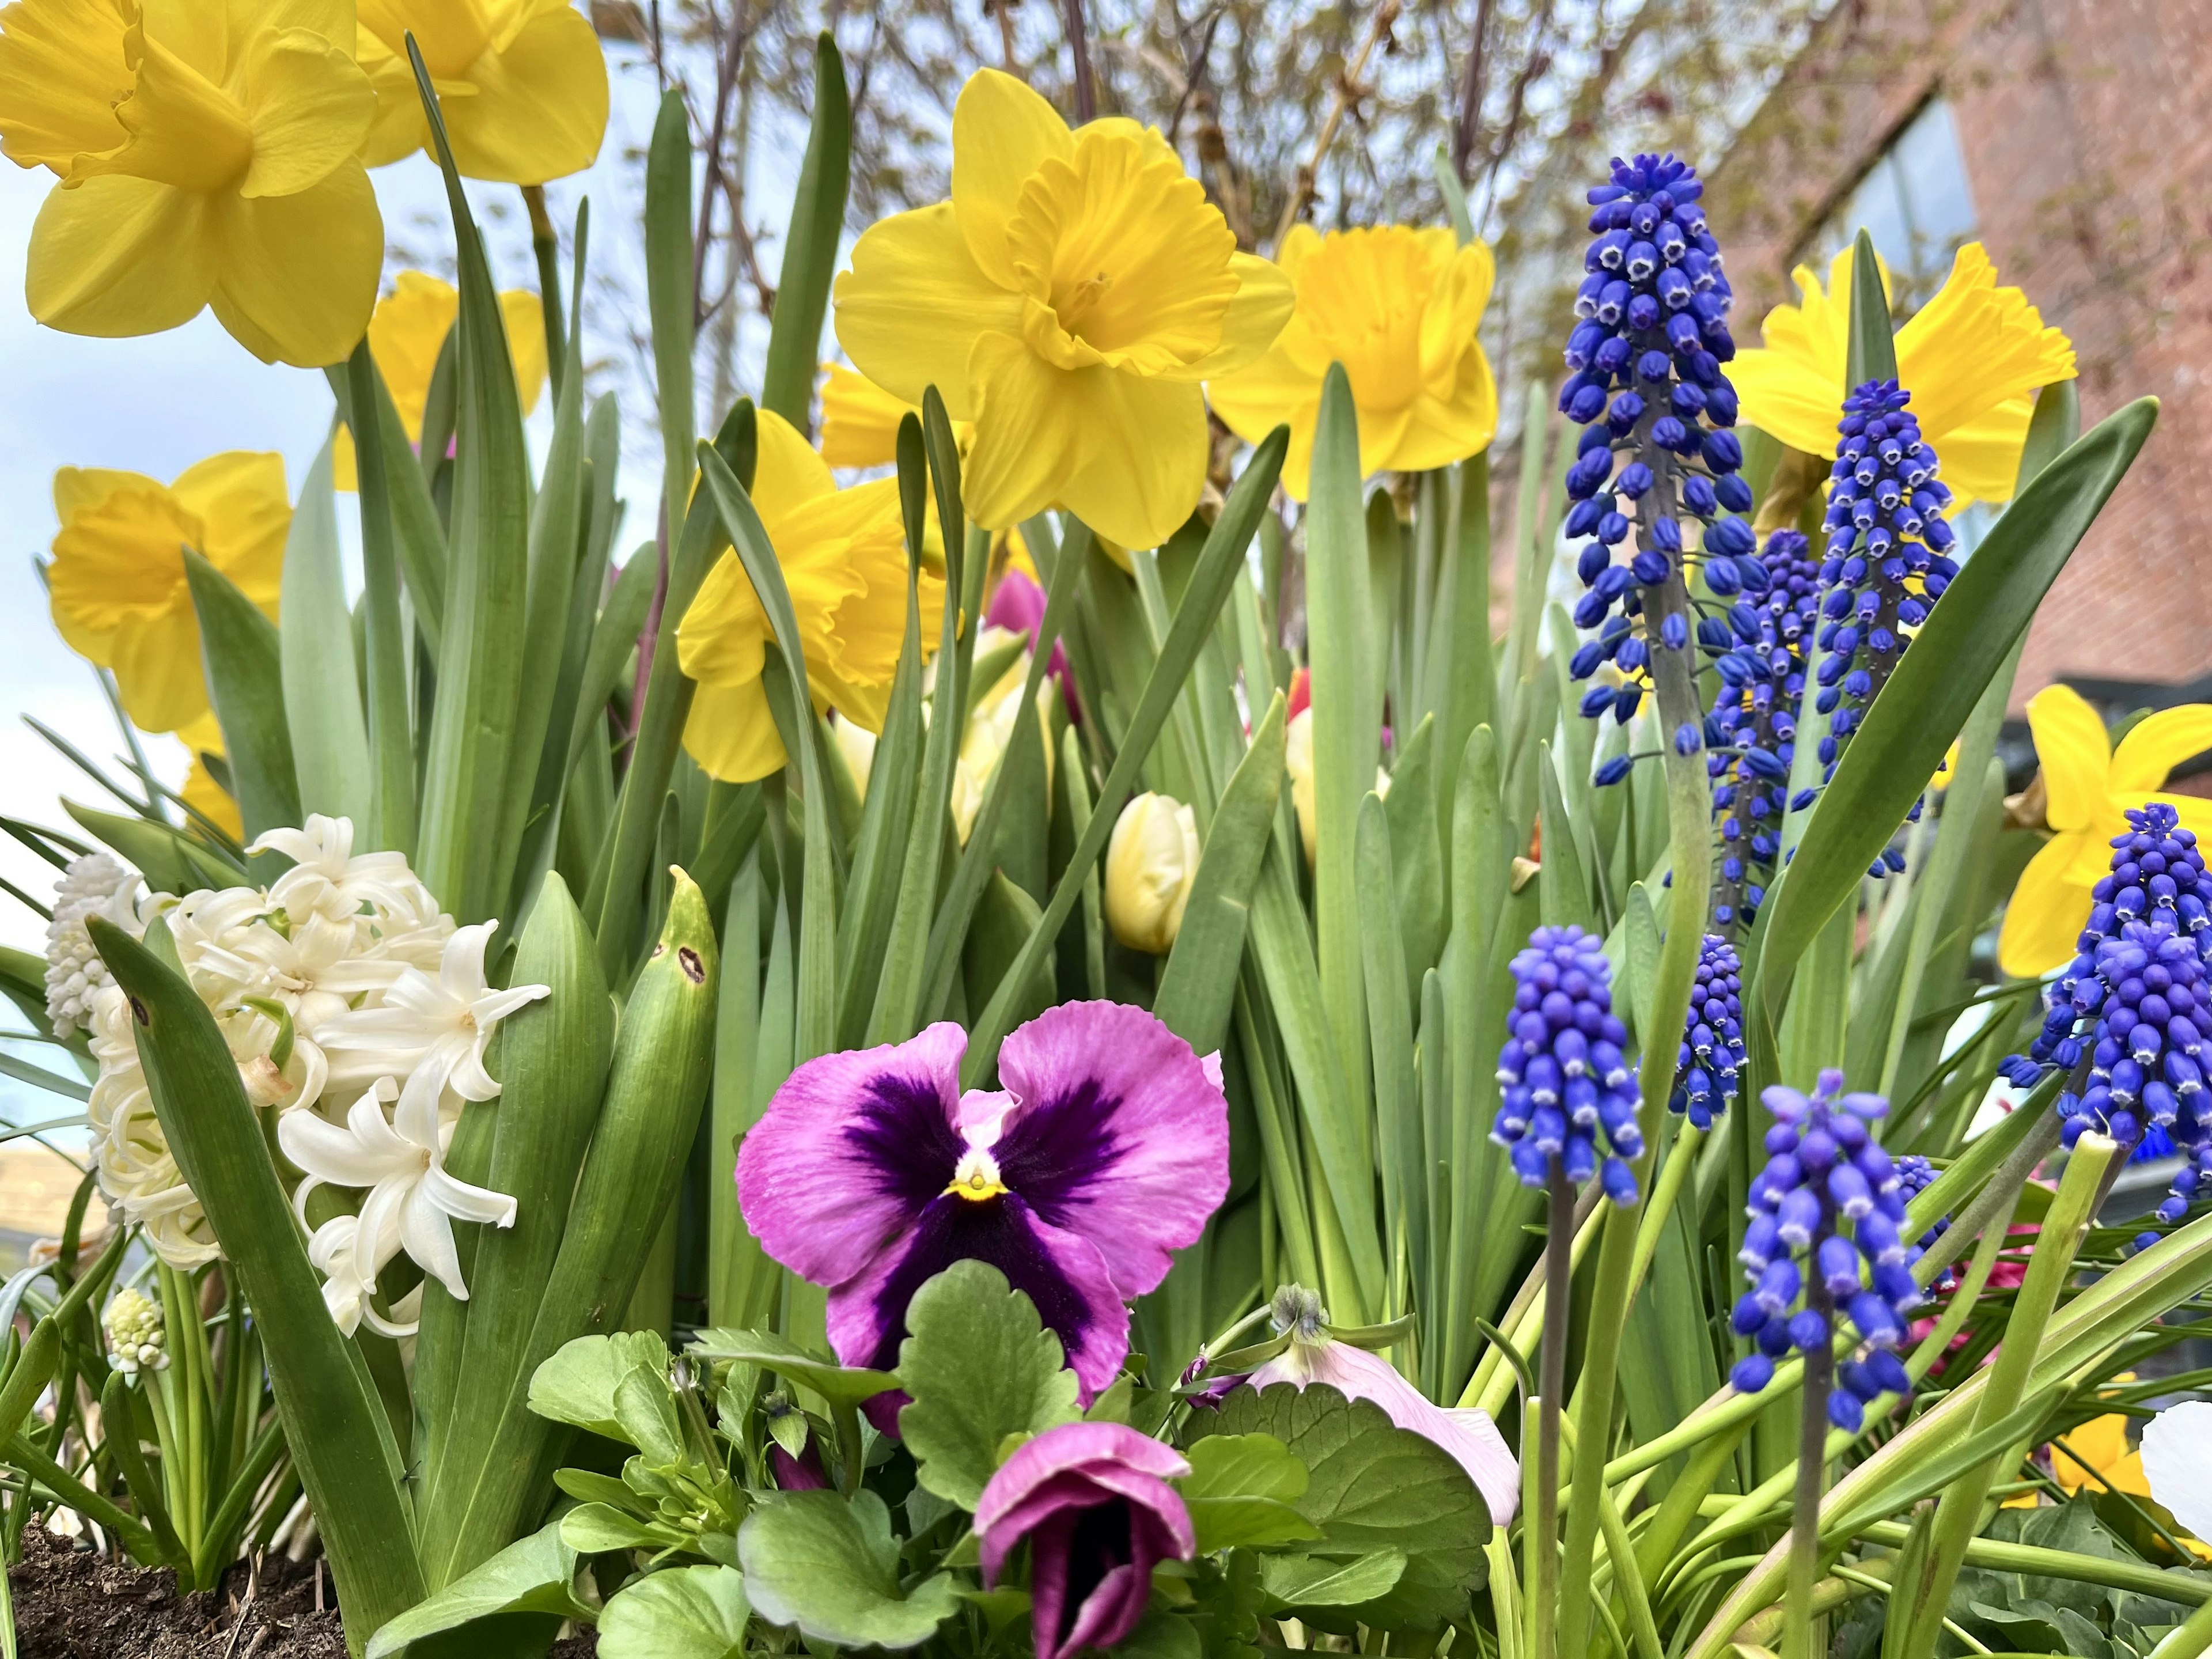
<point>1375,1487</point>
<point>341,1439</point>
<point>1161,1635</point>
<point>1936,686</point>
<point>1306,1581</point>
<point>686,1613</point>
<point>810,248</point>
<point>532,1574</point>
<point>1199,983</point>
<point>771,1353</point>
<point>385,638</point>
<point>577,1385</point>
<point>831,1568</point>
<point>645,1406</point>
<point>980,1366</point>
<point>322,692</point>
<point>245,683</point>
<point>1873,352</point>
<point>670,301</point>
<point>598,1528</point>
<point>1240,1491</point>
<point>170,861</point>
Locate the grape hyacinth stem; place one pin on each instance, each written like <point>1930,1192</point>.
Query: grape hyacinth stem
<point>1812,1482</point>
<point>1552,1384</point>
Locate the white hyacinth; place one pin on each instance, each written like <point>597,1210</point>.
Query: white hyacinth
<point>342,980</point>
<point>94,885</point>
<point>135,1340</point>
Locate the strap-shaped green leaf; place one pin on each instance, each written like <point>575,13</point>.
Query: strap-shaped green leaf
<point>810,248</point>
<point>245,683</point>
<point>341,1441</point>
<point>385,637</point>
<point>1872,354</point>
<point>314,627</point>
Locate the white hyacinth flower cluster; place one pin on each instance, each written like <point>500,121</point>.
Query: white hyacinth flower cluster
<point>136,1341</point>
<point>96,884</point>
<point>341,989</point>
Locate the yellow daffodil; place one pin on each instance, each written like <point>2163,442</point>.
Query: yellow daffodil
<point>2089,786</point>
<point>1399,308</point>
<point>409,330</point>
<point>1970,357</point>
<point>202,737</point>
<point>1152,863</point>
<point>861,420</point>
<point>2097,1455</point>
<point>843,554</point>
<point>117,583</point>
<point>521,83</point>
<point>1068,300</point>
<point>208,155</point>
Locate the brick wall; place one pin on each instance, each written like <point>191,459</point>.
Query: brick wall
<point>2086,127</point>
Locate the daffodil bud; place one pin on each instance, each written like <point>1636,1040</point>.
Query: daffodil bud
<point>1150,865</point>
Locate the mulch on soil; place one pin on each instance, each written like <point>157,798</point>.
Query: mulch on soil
<point>73,1604</point>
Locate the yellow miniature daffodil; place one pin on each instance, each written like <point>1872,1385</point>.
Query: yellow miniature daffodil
<point>1152,863</point>
<point>522,84</point>
<point>1399,308</point>
<point>405,336</point>
<point>116,584</point>
<point>202,737</point>
<point>1970,357</point>
<point>843,554</point>
<point>2097,1455</point>
<point>2090,785</point>
<point>208,155</point>
<point>1068,301</point>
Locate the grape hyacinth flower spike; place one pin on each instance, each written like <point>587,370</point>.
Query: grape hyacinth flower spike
<point>1827,1215</point>
<point>1762,674</point>
<point>1712,1038</point>
<point>1888,558</point>
<point>1565,1080</point>
<point>1657,457</point>
<point>1106,1149</point>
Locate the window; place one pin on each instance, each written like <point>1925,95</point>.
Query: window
<point>1916,204</point>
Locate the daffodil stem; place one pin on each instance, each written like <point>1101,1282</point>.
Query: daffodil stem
<point>1552,1385</point>
<point>546,245</point>
<point>1812,1480</point>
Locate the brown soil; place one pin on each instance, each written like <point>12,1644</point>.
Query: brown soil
<point>73,1604</point>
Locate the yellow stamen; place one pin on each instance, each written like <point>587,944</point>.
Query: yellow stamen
<point>976,1178</point>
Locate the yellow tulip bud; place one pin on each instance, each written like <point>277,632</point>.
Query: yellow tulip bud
<point>1298,762</point>
<point>1150,864</point>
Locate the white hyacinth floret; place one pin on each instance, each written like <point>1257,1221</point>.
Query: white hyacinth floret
<point>137,1340</point>
<point>97,885</point>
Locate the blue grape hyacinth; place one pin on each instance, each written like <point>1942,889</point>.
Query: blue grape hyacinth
<point>1888,558</point>
<point>1712,1036</point>
<point>1762,674</point>
<point>1658,459</point>
<point>2135,1002</point>
<point>1565,1080</point>
<point>1826,1237</point>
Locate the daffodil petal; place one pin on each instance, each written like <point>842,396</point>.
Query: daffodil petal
<point>62,73</point>
<point>1002,132</point>
<point>116,256</point>
<point>79,487</point>
<point>1975,345</point>
<point>859,420</point>
<point>2047,913</point>
<point>540,108</point>
<point>1144,476</point>
<point>1437,434</point>
<point>914,304</point>
<point>788,473</point>
<point>1260,307</point>
<point>156,661</point>
<point>239,497</point>
<point>731,733</point>
<point>2075,752</point>
<point>525,343</point>
<point>2157,744</point>
<point>1035,427</point>
<point>1981,458</point>
<point>298,276</point>
<point>309,106</point>
<point>1789,400</point>
<point>400,127</point>
<point>723,638</point>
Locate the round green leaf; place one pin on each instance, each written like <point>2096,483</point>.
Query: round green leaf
<point>688,1613</point>
<point>831,1568</point>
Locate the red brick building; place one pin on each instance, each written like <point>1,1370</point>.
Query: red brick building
<point>2074,139</point>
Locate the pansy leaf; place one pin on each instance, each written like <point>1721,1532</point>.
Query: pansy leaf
<point>1161,1635</point>
<point>644,1408</point>
<point>688,1613</point>
<point>595,1529</point>
<point>1240,1492</point>
<point>532,1574</point>
<point>835,1383</point>
<point>980,1366</point>
<point>1374,1487</point>
<point>831,1567</point>
<point>1310,1581</point>
<point>577,1385</point>
<point>588,1487</point>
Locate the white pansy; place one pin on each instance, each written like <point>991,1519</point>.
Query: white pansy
<point>412,1203</point>
<point>434,1028</point>
<point>2177,1459</point>
<point>94,885</point>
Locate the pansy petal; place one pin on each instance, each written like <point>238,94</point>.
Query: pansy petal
<point>2157,744</point>
<point>2048,910</point>
<point>852,1149</point>
<point>2177,1456</point>
<point>2076,754</point>
<point>1120,1136</point>
<point>1060,1271</point>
